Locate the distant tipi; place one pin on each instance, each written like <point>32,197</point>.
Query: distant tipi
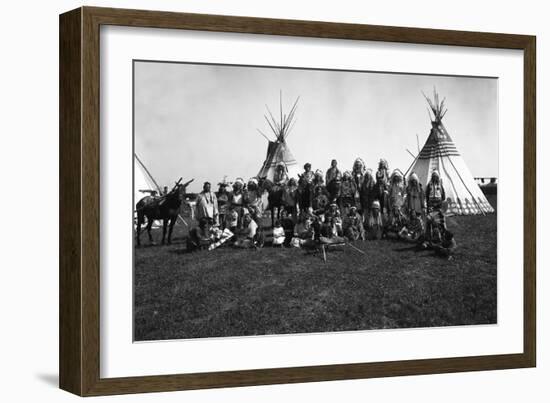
<point>144,183</point>
<point>277,149</point>
<point>464,197</point>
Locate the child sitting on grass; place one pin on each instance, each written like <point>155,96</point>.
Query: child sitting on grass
<point>447,246</point>
<point>288,226</point>
<point>278,234</point>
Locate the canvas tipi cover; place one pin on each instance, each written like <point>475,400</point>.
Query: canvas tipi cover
<point>277,150</point>
<point>463,195</point>
<point>143,181</point>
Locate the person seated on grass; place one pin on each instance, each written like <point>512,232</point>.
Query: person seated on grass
<point>232,219</point>
<point>333,216</point>
<point>396,222</point>
<point>329,232</point>
<point>278,234</point>
<point>246,235</point>
<point>413,231</point>
<point>353,225</point>
<point>303,231</point>
<point>287,222</point>
<point>319,202</point>
<point>200,237</point>
<point>447,246</point>
<point>435,225</point>
<point>374,223</point>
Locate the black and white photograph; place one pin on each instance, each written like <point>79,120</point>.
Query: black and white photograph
<point>273,200</point>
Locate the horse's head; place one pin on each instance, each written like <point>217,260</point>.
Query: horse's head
<point>253,185</point>
<point>179,190</point>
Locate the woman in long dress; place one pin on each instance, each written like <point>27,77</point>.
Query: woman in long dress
<point>415,196</point>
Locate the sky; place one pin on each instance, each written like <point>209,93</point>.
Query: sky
<point>200,121</point>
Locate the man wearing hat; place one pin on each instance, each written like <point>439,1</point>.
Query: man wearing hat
<point>207,204</point>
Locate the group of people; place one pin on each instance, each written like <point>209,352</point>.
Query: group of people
<point>331,208</point>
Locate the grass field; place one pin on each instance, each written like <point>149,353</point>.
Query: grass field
<point>230,292</point>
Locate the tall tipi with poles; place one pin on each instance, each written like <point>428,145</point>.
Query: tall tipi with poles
<point>464,197</point>
<point>277,149</point>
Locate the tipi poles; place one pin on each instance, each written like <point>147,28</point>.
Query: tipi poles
<point>147,172</point>
<point>473,198</point>
<point>410,166</point>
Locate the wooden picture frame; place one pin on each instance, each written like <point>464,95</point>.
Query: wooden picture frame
<point>79,348</point>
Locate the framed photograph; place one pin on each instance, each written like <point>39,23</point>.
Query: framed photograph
<point>249,201</point>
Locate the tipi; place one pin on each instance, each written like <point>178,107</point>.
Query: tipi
<point>277,150</point>
<point>144,183</point>
<point>464,197</point>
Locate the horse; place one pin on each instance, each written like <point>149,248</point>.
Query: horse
<point>275,197</point>
<point>164,208</point>
<point>305,193</point>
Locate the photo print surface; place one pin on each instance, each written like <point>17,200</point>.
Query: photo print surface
<point>272,200</point>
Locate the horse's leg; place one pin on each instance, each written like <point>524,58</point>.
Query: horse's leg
<point>149,225</point>
<point>272,216</point>
<point>171,228</point>
<point>164,225</point>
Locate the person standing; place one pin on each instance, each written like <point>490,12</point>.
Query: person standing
<point>435,193</point>
<point>348,189</point>
<point>333,173</point>
<point>223,202</point>
<point>207,204</point>
<point>415,196</point>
